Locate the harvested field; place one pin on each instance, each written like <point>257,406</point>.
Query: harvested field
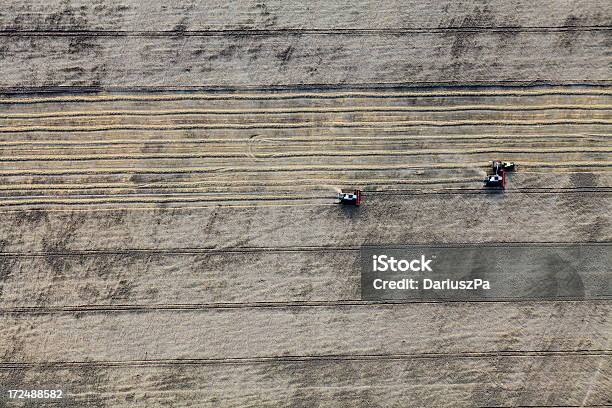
<point>169,227</point>
<point>307,59</point>
<point>220,231</point>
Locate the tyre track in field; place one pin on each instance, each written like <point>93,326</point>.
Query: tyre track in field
<point>290,195</point>
<point>239,31</point>
<point>381,186</point>
<point>88,143</point>
<point>260,199</point>
<point>295,168</point>
<point>304,358</point>
<point>306,110</point>
<point>311,153</point>
<point>182,96</point>
<point>302,248</point>
<point>305,125</point>
<point>203,184</point>
<point>344,303</point>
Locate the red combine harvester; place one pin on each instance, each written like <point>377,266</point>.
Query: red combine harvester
<point>496,180</point>
<point>499,178</point>
<point>352,197</point>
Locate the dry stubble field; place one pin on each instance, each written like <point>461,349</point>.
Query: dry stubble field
<point>169,234</point>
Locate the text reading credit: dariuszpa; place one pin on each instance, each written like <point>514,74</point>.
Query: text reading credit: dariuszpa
<point>384,263</point>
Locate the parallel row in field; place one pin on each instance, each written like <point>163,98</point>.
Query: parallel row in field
<point>254,279</point>
<point>186,16</point>
<point>124,280</point>
<point>381,101</point>
<point>549,379</point>
<point>411,329</point>
<point>344,59</point>
<point>294,93</point>
<point>219,148</point>
<point>282,185</point>
<point>386,219</point>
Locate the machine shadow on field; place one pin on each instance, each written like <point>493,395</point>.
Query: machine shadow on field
<point>349,211</point>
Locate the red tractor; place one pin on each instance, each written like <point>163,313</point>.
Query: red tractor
<point>352,197</point>
<point>498,165</point>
